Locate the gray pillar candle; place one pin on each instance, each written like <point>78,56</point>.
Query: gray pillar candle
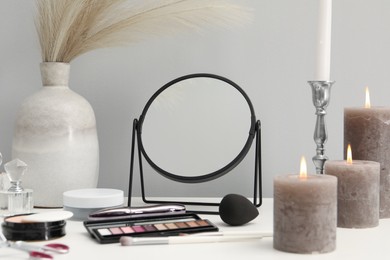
<point>368,132</point>
<point>357,192</point>
<point>305,213</point>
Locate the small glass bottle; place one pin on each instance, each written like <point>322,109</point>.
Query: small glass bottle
<point>15,200</point>
<point>3,183</point>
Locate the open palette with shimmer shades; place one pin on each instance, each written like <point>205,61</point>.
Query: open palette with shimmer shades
<point>110,231</point>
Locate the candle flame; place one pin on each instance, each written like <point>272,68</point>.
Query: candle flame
<point>367,103</point>
<point>303,169</point>
<point>349,154</point>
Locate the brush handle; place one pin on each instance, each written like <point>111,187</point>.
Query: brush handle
<point>132,241</point>
<point>133,212</point>
<point>233,233</point>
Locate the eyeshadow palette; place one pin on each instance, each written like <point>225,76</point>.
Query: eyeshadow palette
<point>110,231</point>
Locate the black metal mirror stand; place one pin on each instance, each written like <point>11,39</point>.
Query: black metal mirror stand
<point>257,191</point>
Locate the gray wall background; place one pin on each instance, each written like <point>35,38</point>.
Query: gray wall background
<point>271,59</point>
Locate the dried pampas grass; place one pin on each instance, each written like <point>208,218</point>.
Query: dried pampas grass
<point>69,28</point>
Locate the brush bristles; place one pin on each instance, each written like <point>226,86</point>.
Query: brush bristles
<point>69,28</point>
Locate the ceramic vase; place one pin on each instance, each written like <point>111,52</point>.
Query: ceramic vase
<point>55,135</point>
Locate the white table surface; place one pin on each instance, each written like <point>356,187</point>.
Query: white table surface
<point>373,243</point>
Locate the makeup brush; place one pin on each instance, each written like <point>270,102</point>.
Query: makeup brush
<point>192,239</point>
<point>237,210</point>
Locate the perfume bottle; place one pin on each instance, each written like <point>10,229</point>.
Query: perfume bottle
<point>15,200</point>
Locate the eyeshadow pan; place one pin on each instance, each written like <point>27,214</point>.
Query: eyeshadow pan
<point>171,225</point>
<point>150,228</point>
<point>116,230</point>
<point>104,232</point>
<point>181,224</point>
<point>127,230</point>
<point>192,224</point>
<point>138,228</point>
<point>202,223</point>
<point>160,227</point>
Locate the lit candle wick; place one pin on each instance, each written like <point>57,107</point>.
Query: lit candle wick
<point>303,169</point>
<point>367,103</point>
<point>349,154</point>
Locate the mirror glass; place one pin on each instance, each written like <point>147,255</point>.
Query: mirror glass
<point>196,126</point>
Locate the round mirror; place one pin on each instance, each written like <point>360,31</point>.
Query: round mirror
<point>196,128</point>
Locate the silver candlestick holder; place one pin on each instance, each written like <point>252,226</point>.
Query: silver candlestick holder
<point>321,98</point>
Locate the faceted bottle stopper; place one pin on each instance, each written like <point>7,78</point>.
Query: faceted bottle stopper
<point>15,170</point>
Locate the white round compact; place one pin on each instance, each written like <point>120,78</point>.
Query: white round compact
<point>83,202</point>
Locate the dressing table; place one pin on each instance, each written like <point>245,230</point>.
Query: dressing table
<point>354,244</point>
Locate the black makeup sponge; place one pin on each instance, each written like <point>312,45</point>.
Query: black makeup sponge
<point>237,210</point>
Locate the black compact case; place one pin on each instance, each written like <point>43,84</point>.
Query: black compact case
<point>32,231</point>
<point>110,231</point>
